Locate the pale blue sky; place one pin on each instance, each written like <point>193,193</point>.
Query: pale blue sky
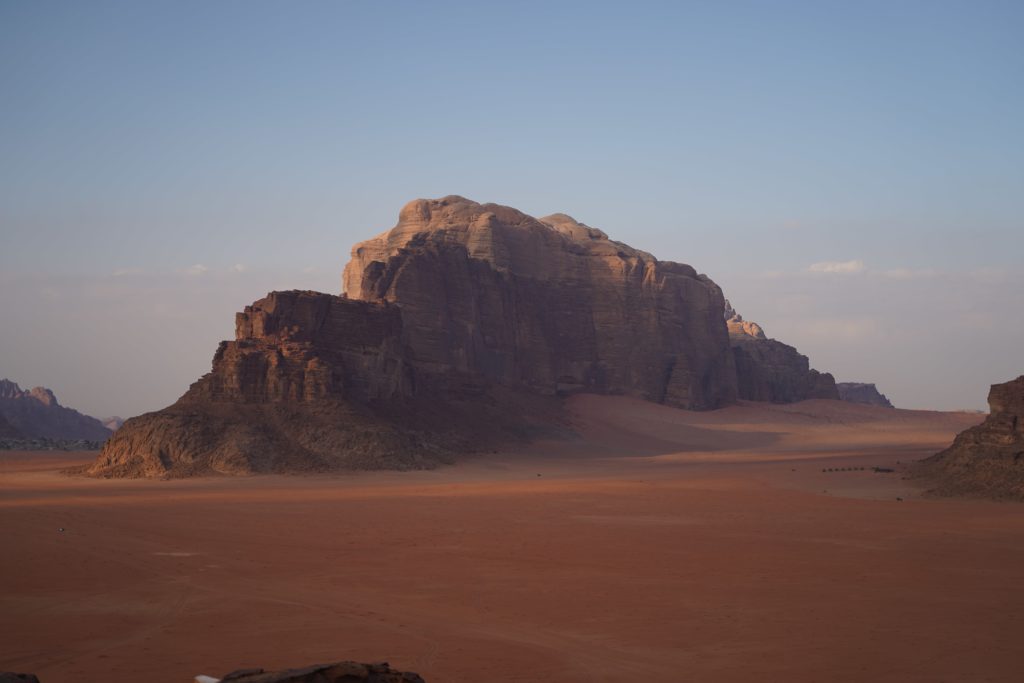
<point>751,140</point>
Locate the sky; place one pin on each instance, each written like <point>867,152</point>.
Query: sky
<point>852,174</point>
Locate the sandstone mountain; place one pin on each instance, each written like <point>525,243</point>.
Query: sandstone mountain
<point>547,304</point>
<point>37,414</point>
<point>859,392</point>
<point>459,328</point>
<point>986,460</point>
<point>113,423</point>
<point>768,370</point>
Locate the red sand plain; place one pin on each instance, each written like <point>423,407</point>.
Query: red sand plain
<point>663,545</point>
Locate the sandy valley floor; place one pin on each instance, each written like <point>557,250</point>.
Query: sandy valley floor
<point>664,546</point>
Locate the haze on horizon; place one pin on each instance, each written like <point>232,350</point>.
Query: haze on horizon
<point>850,174</point>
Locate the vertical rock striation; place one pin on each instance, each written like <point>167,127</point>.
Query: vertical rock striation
<point>551,305</point>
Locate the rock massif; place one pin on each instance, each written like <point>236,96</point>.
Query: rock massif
<point>459,328</point>
<point>768,370</point>
<point>988,459</point>
<point>37,414</point>
<point>860,392</point>
<point>549,305</point>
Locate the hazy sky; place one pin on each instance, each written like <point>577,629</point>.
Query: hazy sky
<point>851,173</point>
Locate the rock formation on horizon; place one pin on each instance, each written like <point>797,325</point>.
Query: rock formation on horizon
<point>37,414</point>
<point>988,459</point>
<point>459,328</point>
<point>768,370</point>
<point>113,423</point>
<point>862,392</point>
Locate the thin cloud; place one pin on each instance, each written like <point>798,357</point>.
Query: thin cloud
<point>238,268</point>
<point>197,269</point>
<point>122,272</point>
<point>838,267</point>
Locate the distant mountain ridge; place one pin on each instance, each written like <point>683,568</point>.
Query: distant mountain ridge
<point>36,413</point>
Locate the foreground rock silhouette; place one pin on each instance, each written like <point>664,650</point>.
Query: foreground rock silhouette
<point>11,677</point>
<point>460,328</point>
<point>339,672</point>
<point>986,460</point>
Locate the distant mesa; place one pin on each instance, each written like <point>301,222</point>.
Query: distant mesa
<point>860,392</point>
<point>986,460</point>
<point>36,414</point>
<point>113,423</point>
<point>460,328</point>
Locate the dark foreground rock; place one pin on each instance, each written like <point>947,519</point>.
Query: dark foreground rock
<point>340,672</point>
<point>986,460</point>
<point>862,392</point>
<point>10,677</point>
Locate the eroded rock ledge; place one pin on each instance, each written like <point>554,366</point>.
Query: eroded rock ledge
<point>986,460</point>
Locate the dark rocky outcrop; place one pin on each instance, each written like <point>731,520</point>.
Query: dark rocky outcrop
<point>986,460</point>
<point>10,677</point>
<point>768,370</point>
<point>317,382</point>
<point>859,392</point>
<point>340,672</point>
<point>459,329</point>
<point>37,414</point>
